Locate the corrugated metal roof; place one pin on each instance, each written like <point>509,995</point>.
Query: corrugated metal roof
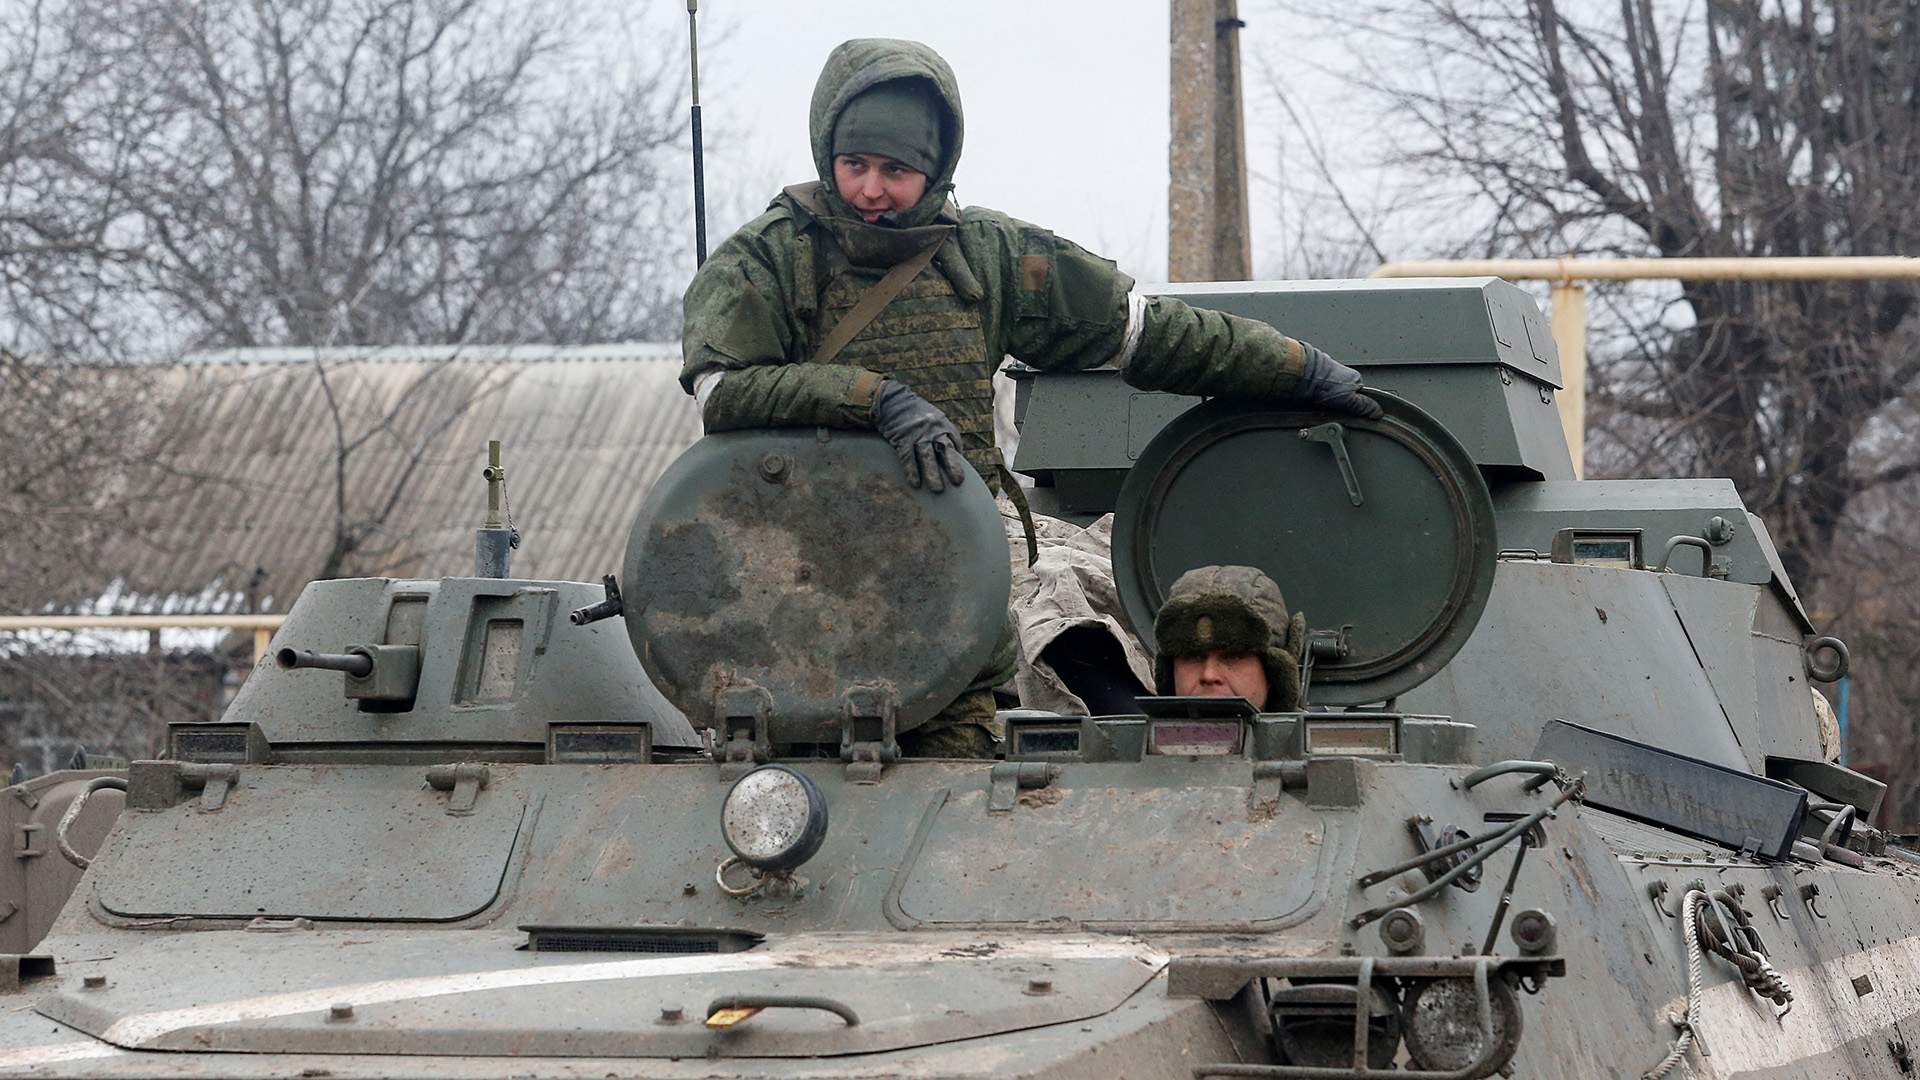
<point>586,431</point>
<point>488,354</point>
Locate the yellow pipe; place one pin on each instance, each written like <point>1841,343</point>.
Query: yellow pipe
<point>1761,268</point>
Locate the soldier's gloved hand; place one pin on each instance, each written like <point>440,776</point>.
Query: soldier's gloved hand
<point>922,436</point>
<point>1328,383</point>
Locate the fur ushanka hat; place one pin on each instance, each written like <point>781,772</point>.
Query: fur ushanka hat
<point>1234,609</point>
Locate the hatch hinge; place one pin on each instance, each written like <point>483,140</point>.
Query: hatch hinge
<point>867,729</point>
<point>1270,778</point>
<point>158,785</point>
<point>745,709</point>
<point>214,782</point>
<point>1008,779</point>
<point>464,782</point>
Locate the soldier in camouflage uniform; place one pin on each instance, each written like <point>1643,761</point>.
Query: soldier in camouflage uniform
<point>973,286</point>
<point>1225,630</point>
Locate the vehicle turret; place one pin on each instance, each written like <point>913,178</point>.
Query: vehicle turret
<point>1476,357</point>
<point>451,669</point>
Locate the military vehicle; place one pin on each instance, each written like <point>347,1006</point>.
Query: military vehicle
<point>1557,807</point>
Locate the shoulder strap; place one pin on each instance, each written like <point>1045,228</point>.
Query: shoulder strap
<point>871,303</point>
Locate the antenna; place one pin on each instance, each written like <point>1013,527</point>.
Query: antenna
<point>699,171</point>
<point>493,543</point>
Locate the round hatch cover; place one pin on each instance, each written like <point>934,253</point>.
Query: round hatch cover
<point>799,561</point>
<point>1381,527</point>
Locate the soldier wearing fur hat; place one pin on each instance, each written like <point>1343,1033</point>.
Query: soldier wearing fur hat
<point>1225,632</point>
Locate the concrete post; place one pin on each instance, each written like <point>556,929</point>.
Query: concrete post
<point>1208,238</point>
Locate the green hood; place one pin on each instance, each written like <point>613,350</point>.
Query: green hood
<point>861,64</point>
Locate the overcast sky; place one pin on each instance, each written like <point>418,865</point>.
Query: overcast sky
<point>1066,106</point>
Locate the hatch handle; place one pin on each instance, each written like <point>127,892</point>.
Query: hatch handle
<point>727,1011</point>
<point>1335,436</point>
<point>215,781</point>
<point>462,783</point>
<point>1712,566</point>
<point>119,783</point>
<point>1007,779</point>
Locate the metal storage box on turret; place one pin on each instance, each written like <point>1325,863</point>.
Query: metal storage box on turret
<point>1557,804</point>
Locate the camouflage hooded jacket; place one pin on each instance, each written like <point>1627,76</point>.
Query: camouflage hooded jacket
<point>757,311</point>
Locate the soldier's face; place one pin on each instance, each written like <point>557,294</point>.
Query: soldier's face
<point>875,185</point>
<point>1221,674</point>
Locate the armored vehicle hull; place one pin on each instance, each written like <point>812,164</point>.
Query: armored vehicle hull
<point>1552,809</point>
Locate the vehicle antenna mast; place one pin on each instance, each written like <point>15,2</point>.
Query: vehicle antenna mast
<point>699,171</point>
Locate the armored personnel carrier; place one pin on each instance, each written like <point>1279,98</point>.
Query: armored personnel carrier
<point>1557,806</point>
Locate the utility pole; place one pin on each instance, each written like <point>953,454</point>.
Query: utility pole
<point>1207,234</point>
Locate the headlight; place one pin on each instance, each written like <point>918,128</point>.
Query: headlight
<point>774,819</point>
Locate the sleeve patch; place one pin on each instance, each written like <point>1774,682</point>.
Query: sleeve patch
<point>1033,273</point>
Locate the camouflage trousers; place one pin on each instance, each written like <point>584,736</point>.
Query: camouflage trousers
<point>951,740</point>
<point>967,728</point>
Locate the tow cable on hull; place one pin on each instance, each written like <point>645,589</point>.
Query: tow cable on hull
<point>1747,955</point>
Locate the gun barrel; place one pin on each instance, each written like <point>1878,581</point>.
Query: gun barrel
<point>358,665</point>
<point>605,609</point>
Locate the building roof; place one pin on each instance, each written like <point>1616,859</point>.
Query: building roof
<point>265,436</point>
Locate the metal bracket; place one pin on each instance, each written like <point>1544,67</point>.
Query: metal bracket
<point>23,837</point>
<point>1330,644</point>
<point>1771,894</point>
<point>463,781</point>
<point>1218,978</point>
<point>1270,778</point>
<point>214,782</point>
<point>1323,645</point>
<point>1427,838</point>
<point>1657,891</point>
<point>1810,896</point>
<point>745,711</point>
<point>1007,779</point>
<point>867,732</point>
<point>1335,436</point>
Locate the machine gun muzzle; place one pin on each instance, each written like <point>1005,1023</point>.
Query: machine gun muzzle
<point>382,678</point>
<point>357,664</point>
<point>605,609</point>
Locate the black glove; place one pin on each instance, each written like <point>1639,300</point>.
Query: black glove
<point>1328,383</point>
<point>922,436</point>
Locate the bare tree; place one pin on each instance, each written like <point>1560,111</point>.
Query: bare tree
<point>182,175</point>
<point>62,261</point>
<point>1729,128</point>
<point>381,172</point>
<point>407,430</point>
<point>193,174</point>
